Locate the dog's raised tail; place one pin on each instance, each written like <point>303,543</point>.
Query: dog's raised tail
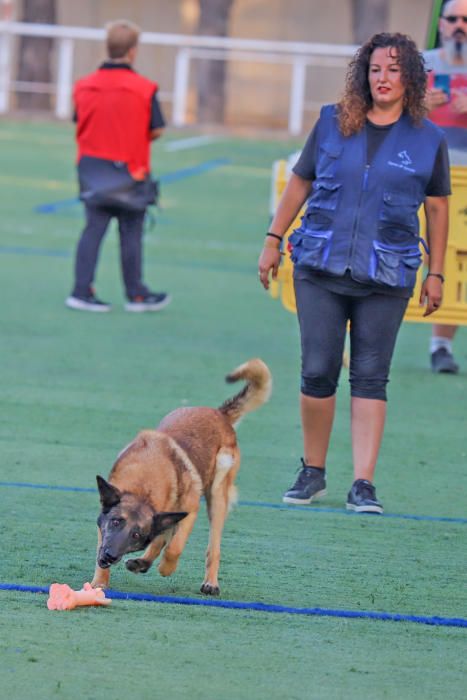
<point>256,391</point>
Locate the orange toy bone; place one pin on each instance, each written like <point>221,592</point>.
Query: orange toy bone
<point>62,597</point>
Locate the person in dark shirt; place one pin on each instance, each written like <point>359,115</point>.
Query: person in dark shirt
<point>367,166</point>
<point>447,107</point>
<point>117,115</point>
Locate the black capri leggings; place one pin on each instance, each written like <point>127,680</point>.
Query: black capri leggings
<point>374,323</point>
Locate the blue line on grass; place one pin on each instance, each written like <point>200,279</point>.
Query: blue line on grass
<point>435,620</point>
<point>258,504</point>
<point>190,265</point>
<point>52,207</point>
<point>401,516</point>
<point>166,179</point>
<point>17,250</point>
<point>25,485</point>
<point>177,175</point>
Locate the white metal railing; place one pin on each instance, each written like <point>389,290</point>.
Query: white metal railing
<point>298,55</point>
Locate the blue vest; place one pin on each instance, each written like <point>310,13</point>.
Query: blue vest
<point>363,218</point>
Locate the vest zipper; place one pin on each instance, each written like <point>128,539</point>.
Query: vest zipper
<point>366,172</point>
<point>365,178</point>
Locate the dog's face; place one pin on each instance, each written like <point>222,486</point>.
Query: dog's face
<point>127,523</point>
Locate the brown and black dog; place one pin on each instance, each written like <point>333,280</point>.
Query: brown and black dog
<point>158,480</point>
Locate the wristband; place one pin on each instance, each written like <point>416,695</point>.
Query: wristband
<point>436,274</point>
<point>274,235</point>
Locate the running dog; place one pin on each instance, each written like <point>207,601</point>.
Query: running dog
<point>152,497</point>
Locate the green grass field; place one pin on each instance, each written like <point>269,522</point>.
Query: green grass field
<point>76,387</point>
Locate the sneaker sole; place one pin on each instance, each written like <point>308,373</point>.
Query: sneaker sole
<point>136,307</point>
<point>79,305</point>
<point>304,501</point>
<point>365,509</point>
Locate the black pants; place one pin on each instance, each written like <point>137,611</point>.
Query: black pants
<point>130,226</point>
<point>374,323</point>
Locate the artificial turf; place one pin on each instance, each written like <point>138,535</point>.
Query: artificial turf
<point>75,388</point>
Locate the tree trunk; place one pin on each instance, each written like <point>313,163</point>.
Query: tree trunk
<point>35,53</point>
<point>369,17</point>
<point>213,21</point>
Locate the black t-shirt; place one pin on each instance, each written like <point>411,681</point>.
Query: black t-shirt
<point>440,182</point>
<point>305,167</point>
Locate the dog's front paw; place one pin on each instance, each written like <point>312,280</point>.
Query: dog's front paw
<point>208,589</point>
<point>138,566</point>
<point>101,578</point>
<point>99,583</point>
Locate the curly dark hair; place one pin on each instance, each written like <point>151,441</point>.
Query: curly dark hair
<point>357,100</point>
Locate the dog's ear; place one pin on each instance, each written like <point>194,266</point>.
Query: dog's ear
<point>164,521</point>
<point>110,495</point>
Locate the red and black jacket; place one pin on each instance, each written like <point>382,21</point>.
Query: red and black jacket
<point>113,109</point>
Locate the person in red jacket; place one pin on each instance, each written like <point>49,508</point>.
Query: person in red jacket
<point>117,115</point>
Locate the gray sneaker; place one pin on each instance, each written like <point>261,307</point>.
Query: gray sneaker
<point>442,362</point>
<point>89,302</point>
<point>362,498</point>
<point>310,485</point>
<point>150,302</point>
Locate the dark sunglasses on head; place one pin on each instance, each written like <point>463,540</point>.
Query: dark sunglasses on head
<point>453,18</point>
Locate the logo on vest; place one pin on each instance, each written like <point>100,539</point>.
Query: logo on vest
<point>405,162</point>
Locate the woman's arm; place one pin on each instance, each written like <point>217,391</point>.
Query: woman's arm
<point>437,222</point>
<point>293,198</point>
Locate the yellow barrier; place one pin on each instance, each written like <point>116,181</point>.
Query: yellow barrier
<point>454,308</point>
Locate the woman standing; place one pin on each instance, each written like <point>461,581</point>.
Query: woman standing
<point>367,166</point>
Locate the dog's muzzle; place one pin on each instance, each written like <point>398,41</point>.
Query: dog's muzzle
<point>106,559</point>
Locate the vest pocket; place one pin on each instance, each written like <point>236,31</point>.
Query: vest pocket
<point>327,160</point>
<point>394,266</point>
<point>325,195</point>
<point>310,248</point>
<point>399,210</point>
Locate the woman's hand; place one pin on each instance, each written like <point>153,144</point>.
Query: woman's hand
<point>431,294</point>
<point>294,196</point>
<point>436,212</point>
<point>269,260</point>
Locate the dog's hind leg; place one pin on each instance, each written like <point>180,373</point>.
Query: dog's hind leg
<point>144,563</point>
<point>223,494</point>
<point>175,547</point>
<point>218,509</point>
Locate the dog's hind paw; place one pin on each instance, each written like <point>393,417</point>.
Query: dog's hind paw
<point>138,566</point>
<point>209,589</point>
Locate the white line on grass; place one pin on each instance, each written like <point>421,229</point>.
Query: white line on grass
<point>193,142</point>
